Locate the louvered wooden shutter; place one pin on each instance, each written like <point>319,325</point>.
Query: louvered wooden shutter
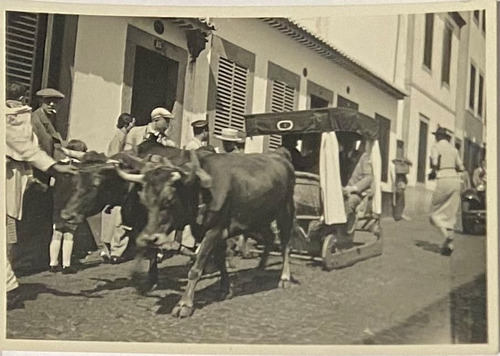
<point>231,95</point>
<point>282,100</point>
<point>21,47</point>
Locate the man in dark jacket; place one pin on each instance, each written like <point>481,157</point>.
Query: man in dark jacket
<point>43,120</point>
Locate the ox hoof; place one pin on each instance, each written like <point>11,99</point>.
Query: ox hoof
<point>182,311</point>
<point>285,284</point>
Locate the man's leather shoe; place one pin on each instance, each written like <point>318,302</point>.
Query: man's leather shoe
<point>69,270</point>
<point>54,269</point>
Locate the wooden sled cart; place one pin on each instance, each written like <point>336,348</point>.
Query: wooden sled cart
<point>326,145</point>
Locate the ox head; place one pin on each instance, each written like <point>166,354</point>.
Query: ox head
<point>170,194</point>
<point>97,185</point>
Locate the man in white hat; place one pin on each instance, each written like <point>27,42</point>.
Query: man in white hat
<point>230,140</point>
<point>157,129</point>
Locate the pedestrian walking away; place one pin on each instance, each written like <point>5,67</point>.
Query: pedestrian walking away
<point>445,165</point>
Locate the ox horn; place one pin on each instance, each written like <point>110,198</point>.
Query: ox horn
<point>133,161</point>
<point>194,158</point>
<point>72,153</point>
<point>203,176</point>
<point>136,178</point>
<point>167,162</point>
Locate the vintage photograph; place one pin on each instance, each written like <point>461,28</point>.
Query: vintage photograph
<point>315,179</point>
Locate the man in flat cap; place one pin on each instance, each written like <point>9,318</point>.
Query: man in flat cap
<point>43,120</point>
<point>200,131</point>
<point>156,130</point>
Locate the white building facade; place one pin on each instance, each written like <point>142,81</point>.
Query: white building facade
<point>439,60</point>
<point>222,68</point>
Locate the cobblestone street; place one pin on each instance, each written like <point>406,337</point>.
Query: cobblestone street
<point>409,295</point>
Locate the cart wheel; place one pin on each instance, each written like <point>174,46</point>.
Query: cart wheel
<point>329,248</point>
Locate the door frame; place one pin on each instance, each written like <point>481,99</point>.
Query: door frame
<point>137,37</point>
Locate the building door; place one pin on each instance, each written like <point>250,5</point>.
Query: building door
<point>155,83</point>
<point>384,140</point>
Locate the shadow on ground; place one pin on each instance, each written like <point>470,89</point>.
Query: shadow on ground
<point>244,282</point>
<point>31,291</point>
<point>428,246</point>
<point>467,323</point>
<point>173,281</point>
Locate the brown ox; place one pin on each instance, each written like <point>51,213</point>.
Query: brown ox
<point>241,193</point>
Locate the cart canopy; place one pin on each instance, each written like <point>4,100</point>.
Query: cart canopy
<point>312,121</point>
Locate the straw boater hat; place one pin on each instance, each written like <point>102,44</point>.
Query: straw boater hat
<point>161,112</point>
<point>228,134</point>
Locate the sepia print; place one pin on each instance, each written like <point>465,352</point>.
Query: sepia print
<point>316,178</point>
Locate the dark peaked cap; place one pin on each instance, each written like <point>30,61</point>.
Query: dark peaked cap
<point>199,123</point>
<point>50,93</point>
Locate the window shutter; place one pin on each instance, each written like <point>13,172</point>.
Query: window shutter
<point>231,96</point>
<point>422,151</point>
<point>429,34</point>
<point>472,87</point>
<point>447,40</point>
<point>282,100</point>
<point>384,140</point>
<point>480,96</point>
<point>21,47</point>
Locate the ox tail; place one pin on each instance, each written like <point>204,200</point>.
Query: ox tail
<point>284,152</point>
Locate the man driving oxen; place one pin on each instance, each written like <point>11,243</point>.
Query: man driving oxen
<point>360,181</point>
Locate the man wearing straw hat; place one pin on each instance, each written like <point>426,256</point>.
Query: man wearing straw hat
<point>230,140</point>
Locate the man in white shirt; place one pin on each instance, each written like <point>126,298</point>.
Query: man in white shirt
<point>158,129</point>
<point>200,131</point>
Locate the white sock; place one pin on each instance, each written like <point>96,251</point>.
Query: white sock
<point>55,247</point>
<point>67,249</point>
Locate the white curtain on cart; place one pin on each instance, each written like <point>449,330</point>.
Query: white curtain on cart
<point>377,174</point>
<point>330,181</point>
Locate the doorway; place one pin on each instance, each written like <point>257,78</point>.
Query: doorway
<point>154,83</point>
